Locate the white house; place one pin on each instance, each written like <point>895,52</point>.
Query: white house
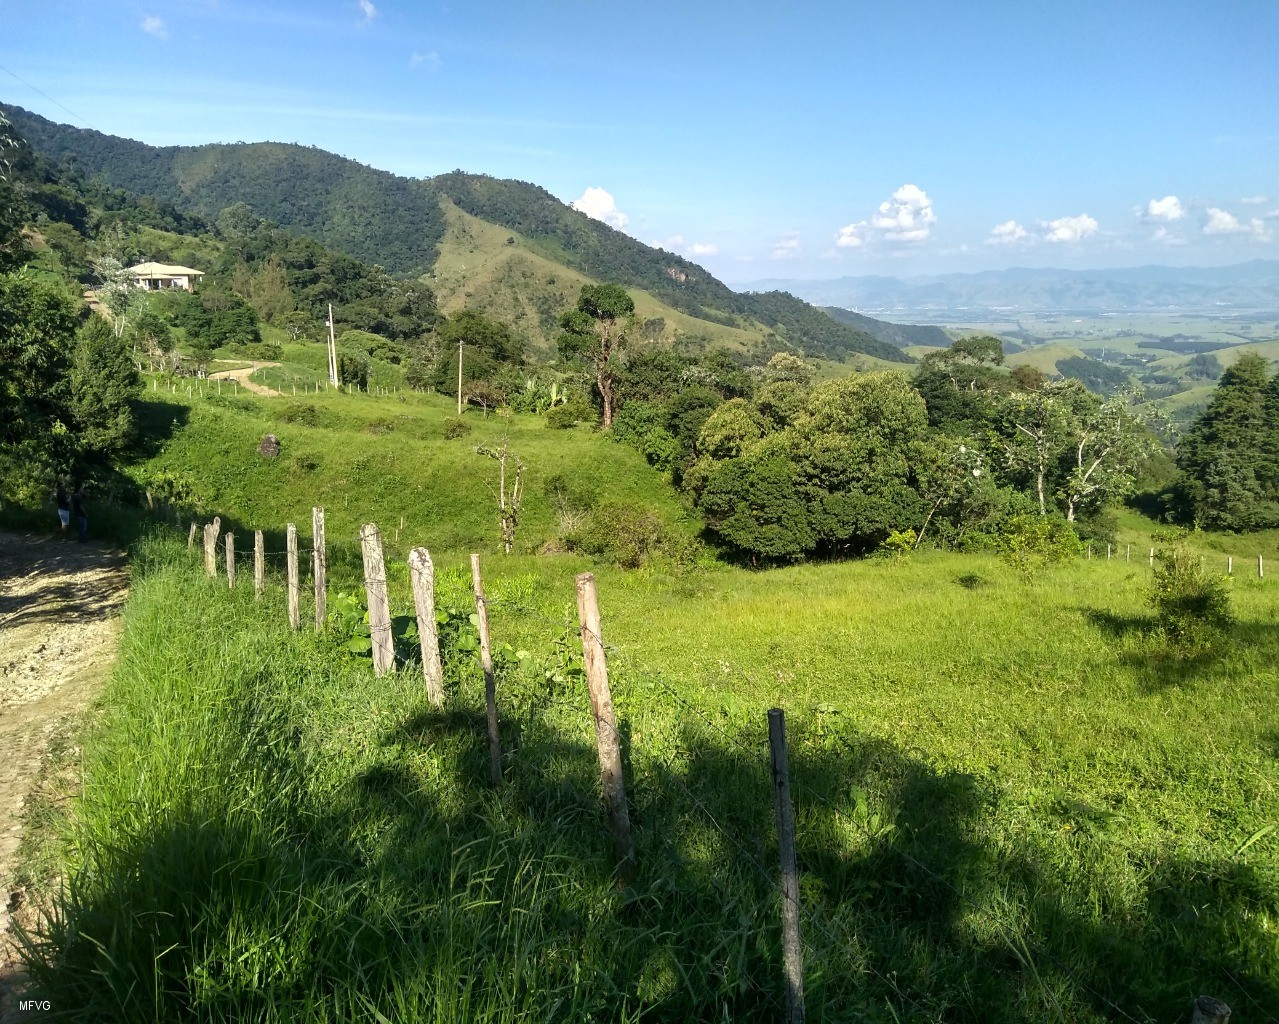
<point>154,276</point>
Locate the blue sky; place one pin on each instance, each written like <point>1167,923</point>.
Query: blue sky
<point>761,140</point>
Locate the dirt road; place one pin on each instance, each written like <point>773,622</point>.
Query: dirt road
<point>242,376</point>
<point>59,618</point>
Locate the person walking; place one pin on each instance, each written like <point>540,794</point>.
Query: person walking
<point>64,508</point>
<point>81,516</point>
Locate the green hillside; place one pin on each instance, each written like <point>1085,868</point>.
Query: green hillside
<point>398,223</point>
<point>902,335</point>
<point>485,267</point>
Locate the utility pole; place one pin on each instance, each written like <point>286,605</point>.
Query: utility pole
<point>333,350</point>
<point>459,376</point>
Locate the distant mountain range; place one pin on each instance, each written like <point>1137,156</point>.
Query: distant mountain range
<point>1251,286</point>
<point>409,225</point>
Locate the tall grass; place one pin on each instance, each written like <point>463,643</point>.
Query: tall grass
<point>1010,807</point>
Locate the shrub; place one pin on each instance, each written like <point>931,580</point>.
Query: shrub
<point>562,417</point>
<point>1191,604</point>
<point>572,503</point>
<point>299,412</point>
<point>455,427</point>
<point>624,533</point>
<point>1031,542</point>
<point>899,542</point>
<point>380,426</point>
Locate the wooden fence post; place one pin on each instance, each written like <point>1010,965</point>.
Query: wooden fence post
<point>379,604</point>
<point>422,575</point>
<point>211,547</point>
<point>1152,556</point>
<point>230,561</point>
<point>1107,552</point>
<point>259,565</point>
<point>191,536</point>
<point>1210,1011</point>
<point>319,567</point>
<point>1090,550</point>
<point>792,950</point>
<point>1230,565</point>
<point>1128,554</point>
<point>1261,568</point>
<point>291,543</point>
<point>606,740</point>
<point>490,684</point>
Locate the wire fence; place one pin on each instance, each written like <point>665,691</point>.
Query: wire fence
<point>752,756</point>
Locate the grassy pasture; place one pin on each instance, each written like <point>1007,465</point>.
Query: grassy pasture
<point>380,458</point>
<point>1012,805</point>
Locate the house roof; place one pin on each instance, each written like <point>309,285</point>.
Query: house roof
<point>150,269</point>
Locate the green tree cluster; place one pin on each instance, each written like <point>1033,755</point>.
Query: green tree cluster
<point>1229,459</point>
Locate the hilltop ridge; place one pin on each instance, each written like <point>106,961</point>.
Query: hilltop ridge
<point>400,223</point>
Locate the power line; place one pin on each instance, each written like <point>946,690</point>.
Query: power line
<point>62,106</point>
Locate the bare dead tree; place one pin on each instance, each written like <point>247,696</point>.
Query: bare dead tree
<point>508,501</point>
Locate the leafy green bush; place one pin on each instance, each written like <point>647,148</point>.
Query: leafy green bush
<point>1192,605</point>
<point>300,412</point>
<point>380,426</point>
<point>624,533</point>
<point>1031,542</point>
<point>455,427</point>
<point>562,417</point>
<point>899,542</point>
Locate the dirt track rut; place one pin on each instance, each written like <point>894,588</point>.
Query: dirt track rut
<point>59,619</point>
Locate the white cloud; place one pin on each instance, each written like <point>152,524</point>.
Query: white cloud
<point>1006,233</point>
<point>786,247</point>
<point>907,217</point>
<point>1167,208</point>
<point>852,236</point>
<point>425,60</point>
<point>1255,200</point>
<point>367,9</point>
<point>154,26</point>
<point>600,205</point>
<point>1223,222</point>
<point>1165,237</point>
<point>677,244</point>
<point>1069,229</point>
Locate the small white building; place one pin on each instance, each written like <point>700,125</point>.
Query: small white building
<point>155,276</point>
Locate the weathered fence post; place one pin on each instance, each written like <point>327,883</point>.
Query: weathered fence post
<point>792,950</point>
<point>1210,1011</point>
<point>1128,554</point>
<point>1261,568</point>
<point>259,565</point>
<point>1152,556</point>
<point>1230,565</point>
<point>379,604</point>
<point>291,543</point>
<point>211,533</point>
<point>319,566</point>
<point>606,739</point>
<point>191,536</point>
<point>422,575</point>
<point>1107,552</point>
<point>1090,550</point>
<point>230,561</point>
<point>490,684</point>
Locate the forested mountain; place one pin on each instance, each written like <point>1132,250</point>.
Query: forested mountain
<point>373,215</point>
<point>398,222</point>
<point>900,335</point>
